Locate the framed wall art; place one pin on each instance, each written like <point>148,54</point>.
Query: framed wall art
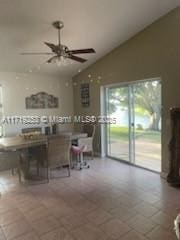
<point>85,96</point>
<point>41,100</point>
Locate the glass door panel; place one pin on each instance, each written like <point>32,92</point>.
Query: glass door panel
<point>118,137</point>
<point>147,124</point>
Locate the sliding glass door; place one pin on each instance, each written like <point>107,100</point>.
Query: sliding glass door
<point>118,134</point>
<point>136,136</point>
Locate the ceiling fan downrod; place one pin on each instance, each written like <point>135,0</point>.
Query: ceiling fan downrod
<point>58,25</point>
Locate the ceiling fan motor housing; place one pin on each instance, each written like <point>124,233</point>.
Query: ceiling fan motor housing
<point>58,24</point>
<point>63,51</point>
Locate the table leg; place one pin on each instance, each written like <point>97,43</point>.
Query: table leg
<point>19,166</point>
<point>47,162</point>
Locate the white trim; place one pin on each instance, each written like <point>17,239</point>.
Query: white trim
<point>131,82</point>
<point>103,129</point>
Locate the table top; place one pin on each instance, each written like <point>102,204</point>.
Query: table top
<point>17,142</point>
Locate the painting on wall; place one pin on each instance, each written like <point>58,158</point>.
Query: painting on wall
<point>41,100</point>
<point>85,96</point>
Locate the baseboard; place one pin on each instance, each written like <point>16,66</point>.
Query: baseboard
<point>163,175</point>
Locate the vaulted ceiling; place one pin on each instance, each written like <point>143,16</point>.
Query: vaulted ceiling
<point>101,24</point>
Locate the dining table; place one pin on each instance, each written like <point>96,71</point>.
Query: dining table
<point>19,144</point>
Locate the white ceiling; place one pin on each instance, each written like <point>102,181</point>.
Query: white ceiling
<point>101,24</point>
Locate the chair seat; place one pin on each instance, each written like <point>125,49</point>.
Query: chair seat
<point>77,150</point>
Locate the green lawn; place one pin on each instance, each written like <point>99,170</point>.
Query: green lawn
<point>121,133</point>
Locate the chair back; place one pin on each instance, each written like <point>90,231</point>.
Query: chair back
<point>89,129</point>
<point>86,144</point>
<point>59,151</point>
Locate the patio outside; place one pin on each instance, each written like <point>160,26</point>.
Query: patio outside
<point>147,146</point>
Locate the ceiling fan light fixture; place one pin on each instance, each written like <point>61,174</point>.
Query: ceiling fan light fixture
<point>61,61</point>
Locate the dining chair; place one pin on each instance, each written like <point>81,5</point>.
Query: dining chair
<point>80,161</point>
<point>88,128</point>
<point>87,141</point>
<point>58,153</point>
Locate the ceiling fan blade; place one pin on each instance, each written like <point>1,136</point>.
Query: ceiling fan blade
<point>80,51</point>
<point>53,47</point>
<point>78,59</point>
<point>37,53</point>
<point>51,59</point>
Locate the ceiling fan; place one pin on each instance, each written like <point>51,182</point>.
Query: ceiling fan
<point>59,51</point>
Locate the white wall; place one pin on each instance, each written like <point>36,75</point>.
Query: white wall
<point>14,92</point>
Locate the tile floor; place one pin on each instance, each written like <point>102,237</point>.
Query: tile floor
<point>109,201</point>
